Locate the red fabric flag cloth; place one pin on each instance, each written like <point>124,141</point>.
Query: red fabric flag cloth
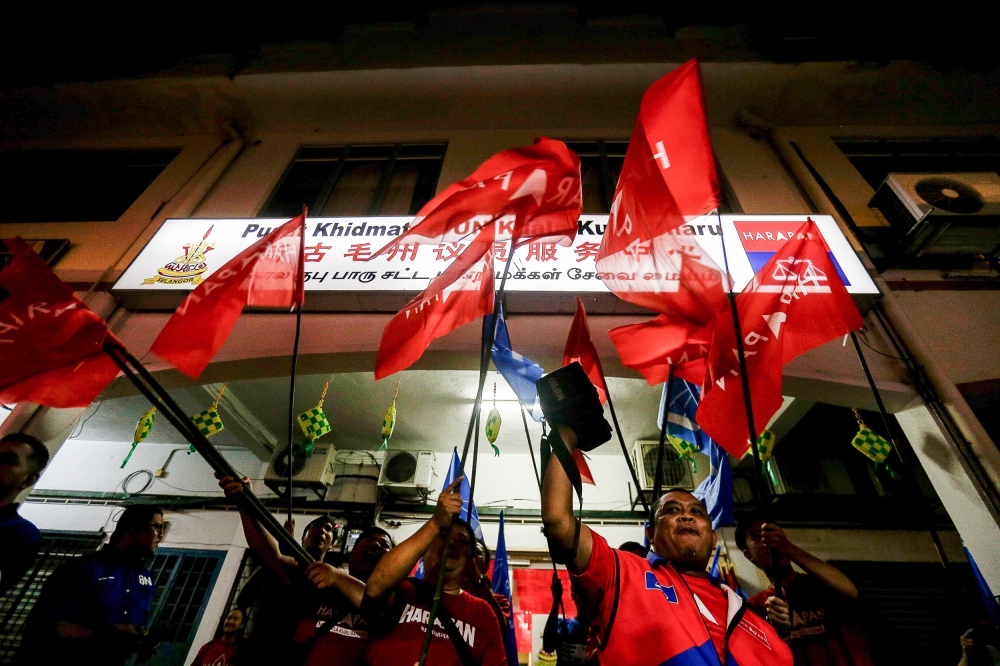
<point>795,303</point>
<point>50,342</point>
<point>580,347</point>
<point>526,194</point>
<point>581,464</point>
<point>268,273</point>
<point>456,297</point>
<point>650,348</point>
<point>668,177</point>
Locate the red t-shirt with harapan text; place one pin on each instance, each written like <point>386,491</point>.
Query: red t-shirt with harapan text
<point>400,645</point>
<point>216,653</point>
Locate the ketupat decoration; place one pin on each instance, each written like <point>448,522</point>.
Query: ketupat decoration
<point>208,421</point>
<point>313,422</point>
<point>765,447</point>
<point>142,429</point>
<point>684,449</point>
<point>873,446</point>
<point>389,421</point>
<point>493,424</point>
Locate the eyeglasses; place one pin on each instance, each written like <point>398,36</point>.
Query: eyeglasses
<point>159,528</point>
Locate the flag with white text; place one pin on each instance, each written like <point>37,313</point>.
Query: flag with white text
<point>520,371</point>
<point>269,273</point>
<point>795,303</point>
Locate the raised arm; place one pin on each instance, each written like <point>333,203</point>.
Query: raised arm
<point>774,537</point>
<point>324,576</point>
<point>396,565</point>
<point>261,543</point>
<point>557,508</point>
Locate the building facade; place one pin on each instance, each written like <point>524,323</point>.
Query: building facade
<point>103,165</point>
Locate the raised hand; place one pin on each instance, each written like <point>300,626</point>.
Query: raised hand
<point>449,504</point>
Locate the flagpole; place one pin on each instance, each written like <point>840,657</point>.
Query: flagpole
<point>938,546</point>
<point>658,482</point>
<point>621,440</point>
<point>291,406</point>
<point>762,493</point>
<point>531,449</point>
<point>160,398</point>
<point>484,365</point>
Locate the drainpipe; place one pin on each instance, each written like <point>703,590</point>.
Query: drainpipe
<point>979,455</point>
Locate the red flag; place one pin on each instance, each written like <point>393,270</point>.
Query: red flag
<point>653,346</point>
<point>268,273</point>
<point>581,464</point>
<point>50,342</point>
<point>580,347</point>
<point>531,193</point>
<point>668,176</point>
<point>795,303</point>
<point>459,295</point>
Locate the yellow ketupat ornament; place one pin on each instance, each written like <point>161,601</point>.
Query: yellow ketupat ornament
<point>389,421</point>
<point>765,447</point>
<point>208,421</point>
<point>493,424</point>
<point>872,445</point>
<point>314,423</point>
<point>684,449</point>
<point>142,429</point>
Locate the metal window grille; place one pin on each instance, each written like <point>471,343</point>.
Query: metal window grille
<point>16,604</point>
<point>184,581</point>
<point>355,181</point>
<point>876,158</point>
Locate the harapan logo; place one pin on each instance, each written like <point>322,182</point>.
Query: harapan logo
<point>187,268</point>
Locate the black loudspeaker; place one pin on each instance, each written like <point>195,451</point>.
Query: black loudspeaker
<point>568,397</point>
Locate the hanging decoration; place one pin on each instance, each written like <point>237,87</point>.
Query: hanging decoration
<point>208,421</point>
<point>765,447</point>
<point>873,446</point>
<point>389,421</point>
<point>142,429</point>
<point>314,423</point>
<point>493,423</point>
<point>684,449</point>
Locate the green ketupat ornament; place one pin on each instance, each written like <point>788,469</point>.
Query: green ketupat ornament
<point>684,449</point>
<point>765,447</point>
<point>493,424</point>
<point>142,429</point>
<point>314,423</point>
<point>873,446</point>
<point>208,421</point>
<point>389,421</point>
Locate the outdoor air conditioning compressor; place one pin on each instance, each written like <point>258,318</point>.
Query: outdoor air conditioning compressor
<point>407,472</point>
<point>676,473</point>
<point>941,214</point>
<point>314,472</point>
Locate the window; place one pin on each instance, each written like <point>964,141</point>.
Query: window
<point>77,185</point>
<point>357,181</point>
<point>56,548</point>
<point>184,582</point>
<point>877,158</point>
<point>600,165</point>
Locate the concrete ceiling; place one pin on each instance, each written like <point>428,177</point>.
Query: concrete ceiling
<point>433,411</point>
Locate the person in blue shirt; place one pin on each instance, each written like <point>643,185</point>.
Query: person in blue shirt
<point>22,459</point>
<point>95,609</point>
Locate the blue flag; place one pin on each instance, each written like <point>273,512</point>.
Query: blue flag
<point>501,585</point>
<point>717,490</point>
<point>520,372</point>
<point>714,570</point>
<point>990,601</point>
<point>464,490</point>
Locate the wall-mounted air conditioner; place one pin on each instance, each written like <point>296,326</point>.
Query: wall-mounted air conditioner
<point>314,472</point>
<point>937,215</point>
<point>408,472</point>
<point>676,473</point>
<point>357,477</point>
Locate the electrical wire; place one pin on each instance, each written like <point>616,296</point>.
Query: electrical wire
<point>149,482</point>
<point>84,422</point>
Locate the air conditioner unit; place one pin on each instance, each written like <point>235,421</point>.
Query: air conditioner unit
<point>357,477</point>
<point>941,214</point>
<point>314,472</point>
<point>676,473</point>
<point>407,472</point>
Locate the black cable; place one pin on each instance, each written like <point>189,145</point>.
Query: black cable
<point>291,408</point>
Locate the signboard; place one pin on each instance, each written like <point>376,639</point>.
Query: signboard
<point>186,251</point>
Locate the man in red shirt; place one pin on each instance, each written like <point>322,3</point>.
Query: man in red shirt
<point>663,608</point>
<point>225,650</point>
<point>398,608</point>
